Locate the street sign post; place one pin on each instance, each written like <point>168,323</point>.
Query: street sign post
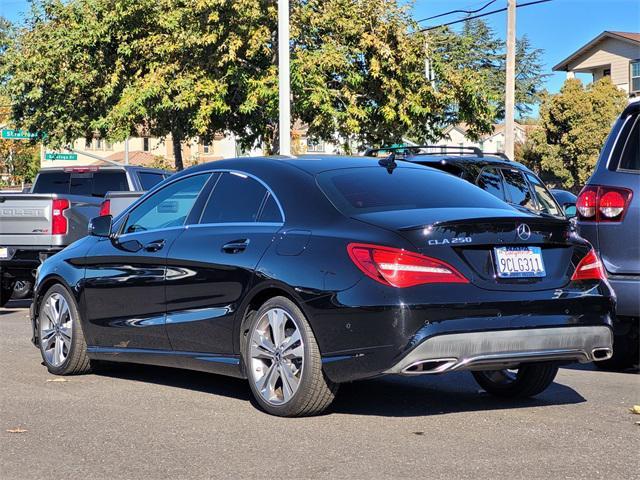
<point>60,156</point>
<point>10,134</point>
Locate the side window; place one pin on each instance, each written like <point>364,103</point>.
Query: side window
<point>235,198</point>
<point>270,211</point>
<point>149,180</point>
<point>517,189</point>
<point>545,200</point>
<point>168,207</point>
<point>490,181</point>
<point>630,158</point>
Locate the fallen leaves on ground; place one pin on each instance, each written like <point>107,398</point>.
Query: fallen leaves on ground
<point>57,380</point>
<point>635,409</point>
<point>16,430</point>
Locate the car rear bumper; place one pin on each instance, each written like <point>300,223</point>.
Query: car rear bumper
<point>627,290</point>
<point>505,348</point>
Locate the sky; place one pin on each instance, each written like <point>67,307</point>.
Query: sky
<point>559,27</point>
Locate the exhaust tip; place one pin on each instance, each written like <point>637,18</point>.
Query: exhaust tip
<point>601,354</point>
<point>424,367</point>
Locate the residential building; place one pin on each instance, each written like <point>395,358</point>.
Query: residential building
<point>457,136</point>
<point>610,54</point>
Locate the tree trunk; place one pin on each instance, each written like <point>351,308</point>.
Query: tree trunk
<point>177,150</point>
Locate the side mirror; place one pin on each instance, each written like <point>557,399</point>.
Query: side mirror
<point>570,210</point>
<point>100,226</point>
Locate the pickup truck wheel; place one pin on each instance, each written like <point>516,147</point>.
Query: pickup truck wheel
<point>22,289</point>
<point>626,351</point>
<point>526,381</point>
<point>60,336</point>
<point>283,362</point>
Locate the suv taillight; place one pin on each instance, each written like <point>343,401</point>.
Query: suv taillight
<point>400,268</point>
<point>603,204</point>
<point>59,223</point>
<point>105,208</point>
<point>590,268</point>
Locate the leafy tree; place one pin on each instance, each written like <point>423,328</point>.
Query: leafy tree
<point>477,47</point>
<point>194,68</point>
<point>573,127</point>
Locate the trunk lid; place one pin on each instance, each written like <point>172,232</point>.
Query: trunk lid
<point>25,219</point>
<point>466,238</point>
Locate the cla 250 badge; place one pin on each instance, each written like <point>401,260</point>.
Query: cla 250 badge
<point>447,241</point>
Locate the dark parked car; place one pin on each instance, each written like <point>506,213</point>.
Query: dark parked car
<point>301,274</point>
<point>567,201</point>
<point>510,181</point>
<point>609,217</point>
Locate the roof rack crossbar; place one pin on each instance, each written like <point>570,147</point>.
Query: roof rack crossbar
<point>431,150</point>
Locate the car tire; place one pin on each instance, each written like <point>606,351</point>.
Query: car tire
<point>60,337</point>
<point>527,381</point>
<point>22,289</point>
<point>283,363</point>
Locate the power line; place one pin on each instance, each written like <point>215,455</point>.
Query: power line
<point>481,15</point>
<point>456,11</point>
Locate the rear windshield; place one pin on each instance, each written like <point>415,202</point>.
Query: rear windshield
<point>373,189</point>
<point>148,180</point>
<point>95,184</point>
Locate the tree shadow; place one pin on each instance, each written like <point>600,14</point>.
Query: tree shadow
<point>392,396</point>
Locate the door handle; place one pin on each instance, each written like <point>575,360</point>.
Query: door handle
<point>236,246</point>
<point>154,246</point>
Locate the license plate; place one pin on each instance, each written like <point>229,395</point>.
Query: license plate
<point>4,252</point>
<point>518,262</point>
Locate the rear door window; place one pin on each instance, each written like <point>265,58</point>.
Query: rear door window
<point>490,181</point>
<point>236,198</point>
<point>148,180</point>
<point>517,189</point>
<point>630,157</point>
<point>545,200</point>
<point>109,181</point>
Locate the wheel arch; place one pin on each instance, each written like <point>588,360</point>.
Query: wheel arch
<point>43,287</point>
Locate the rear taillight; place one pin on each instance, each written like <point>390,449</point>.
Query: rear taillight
<point>589,268</point>
<point>105,208</point>
<point>603,204</point>
<point>400,268</point>
<point>59,223</point>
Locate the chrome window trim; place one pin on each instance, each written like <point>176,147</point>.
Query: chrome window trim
<point>615,142</point>
<point>235,224</point>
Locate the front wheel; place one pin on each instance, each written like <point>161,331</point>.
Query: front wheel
<point>60,336</point>
<point>526,381</point>
<point>283,362</point>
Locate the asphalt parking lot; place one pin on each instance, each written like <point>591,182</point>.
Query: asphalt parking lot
<point>145,422</point>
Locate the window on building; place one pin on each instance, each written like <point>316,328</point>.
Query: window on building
<point>606,72</point>
<point>87,143</point>
<point>635,76</point>
<point>207,149</point>
<point>314,145</point>
<point>145,144</point>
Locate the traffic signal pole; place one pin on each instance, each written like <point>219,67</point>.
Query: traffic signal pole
<point>284,80</point>
<point>510,87</point>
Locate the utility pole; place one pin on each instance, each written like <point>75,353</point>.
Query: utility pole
<point>284,80</point>
<point>126,151</point>
<point>510,85</point>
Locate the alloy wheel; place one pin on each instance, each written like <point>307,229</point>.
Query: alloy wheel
<point>277,356</point>
<point>56,330</point>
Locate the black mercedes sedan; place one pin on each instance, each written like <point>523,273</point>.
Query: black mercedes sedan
<point>301,274</point>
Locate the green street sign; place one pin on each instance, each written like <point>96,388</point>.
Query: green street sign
<point>9,134</point>
<point>61,156</point>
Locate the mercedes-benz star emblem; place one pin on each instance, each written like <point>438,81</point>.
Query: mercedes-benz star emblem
<point>524,232</point>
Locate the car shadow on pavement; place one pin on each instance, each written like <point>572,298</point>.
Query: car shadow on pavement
<point>14,306</point>
<point>174,377</point>
<point>389,396</point>
<point>436,395</point>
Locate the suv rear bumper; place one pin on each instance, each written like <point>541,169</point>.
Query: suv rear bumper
<point>506,348</point>
<point>627,289</point>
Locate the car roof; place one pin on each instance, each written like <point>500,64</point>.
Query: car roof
<point>463,161</point>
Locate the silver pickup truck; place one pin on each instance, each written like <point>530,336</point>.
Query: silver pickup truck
<point>36,225</point>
